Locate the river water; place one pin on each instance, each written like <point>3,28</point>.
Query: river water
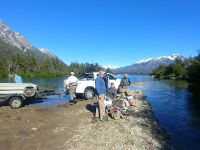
<point>175,108</point>
<point>173,105</point>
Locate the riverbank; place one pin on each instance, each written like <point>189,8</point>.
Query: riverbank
<point>71,127</point>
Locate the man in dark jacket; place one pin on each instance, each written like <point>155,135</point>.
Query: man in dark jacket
<point>124,84</point>
<point>100,88</point>
<point>112,92</point>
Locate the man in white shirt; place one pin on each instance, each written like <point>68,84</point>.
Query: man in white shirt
<point>72,83</point>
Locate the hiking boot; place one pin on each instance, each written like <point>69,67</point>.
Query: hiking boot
<point>101,119</point>
<point>104,118</point>
<point>75,101</point>
<point>94,119</point>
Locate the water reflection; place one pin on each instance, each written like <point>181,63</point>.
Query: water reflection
<point>6,80</point>
<point>194,107</point>
<point>175,107</point>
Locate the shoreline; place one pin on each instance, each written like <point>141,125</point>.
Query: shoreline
<point>71,127</point>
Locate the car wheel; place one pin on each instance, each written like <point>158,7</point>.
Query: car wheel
<point>29,91</point>
<point>89,93</point>
<point>15,102</point>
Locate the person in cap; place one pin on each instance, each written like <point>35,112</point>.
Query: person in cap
<point>72,83</point>
<point>124,85</point>
<point>100,88</point>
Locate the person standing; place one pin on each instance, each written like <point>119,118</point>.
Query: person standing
<point>124,84</point>
<point>17,79</point>
<point>112,91</point>
<point>72,83</point>
<point>100,88</point>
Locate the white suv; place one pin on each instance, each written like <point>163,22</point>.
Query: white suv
<point>86,84</point>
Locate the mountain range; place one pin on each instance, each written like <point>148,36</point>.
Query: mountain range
<point>19,42</point>
<point>13,42</point>
<point>146,66</point>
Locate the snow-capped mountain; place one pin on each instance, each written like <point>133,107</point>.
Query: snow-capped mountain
<point>13,38</point>
<point>109,66</point>
<point>149,64</point>
<point>17,40</point>
<point>160,59</point>
<point>47,52</point>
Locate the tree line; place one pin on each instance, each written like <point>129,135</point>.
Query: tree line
<point>32,64</point>
<point>176,70</point>
<point>29,66</point>
<point>188,69</point>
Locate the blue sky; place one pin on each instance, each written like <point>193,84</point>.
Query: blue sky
<point>116,32</point>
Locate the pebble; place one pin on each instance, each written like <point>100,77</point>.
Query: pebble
<point>34,129</point>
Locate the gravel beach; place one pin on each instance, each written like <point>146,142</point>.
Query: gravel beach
<point>70,127</point>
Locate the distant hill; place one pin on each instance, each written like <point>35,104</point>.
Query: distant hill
<point>146,66</point>
<point>13,38</point>
<point>16,51</point>
<point>18,41</point>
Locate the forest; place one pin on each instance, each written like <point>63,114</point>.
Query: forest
<point>32,64</point>
<point>188,69</point>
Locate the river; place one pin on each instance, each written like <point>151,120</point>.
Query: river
<point>173,105</point>
<point>175,108</point>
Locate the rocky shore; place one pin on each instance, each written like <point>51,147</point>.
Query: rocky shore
<point>71,127</point>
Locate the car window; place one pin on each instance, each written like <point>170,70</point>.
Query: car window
<point>111,77</point>
<point>89,76</point>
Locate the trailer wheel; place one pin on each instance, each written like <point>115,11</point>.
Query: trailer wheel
<point>29,91</point>
<point>15,102</point>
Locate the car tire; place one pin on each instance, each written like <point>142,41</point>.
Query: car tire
<point>88,94</point>
<point>15,102</point>
<point>29,92</point>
